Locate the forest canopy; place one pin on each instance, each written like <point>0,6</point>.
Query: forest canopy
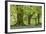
<point>25,15</point>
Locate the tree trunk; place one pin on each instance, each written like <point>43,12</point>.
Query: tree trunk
<point>20,17</point>
<point>38,18</point>
<point>29,19</point>
<point>35,21</point>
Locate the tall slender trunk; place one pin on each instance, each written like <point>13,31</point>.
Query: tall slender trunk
<point>38,18</point>
<point>29,19</point>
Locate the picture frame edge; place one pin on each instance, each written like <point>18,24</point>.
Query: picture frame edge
<point>6,31</point>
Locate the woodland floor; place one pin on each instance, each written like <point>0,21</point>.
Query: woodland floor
<point>27,26</point>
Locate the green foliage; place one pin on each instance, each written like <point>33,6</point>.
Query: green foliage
<point>13,14</point>
<point>26,13</point>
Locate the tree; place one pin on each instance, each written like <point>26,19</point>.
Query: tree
<point>39,13</point>
<point>13,15</point>
<point>19,15</point>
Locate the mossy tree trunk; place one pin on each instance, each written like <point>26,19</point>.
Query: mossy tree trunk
<point>19,16</point>
<point>39,19</point>
<point>29,18</point>
<point>35,21</point>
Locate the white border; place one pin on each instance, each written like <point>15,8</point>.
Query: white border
<point>27,29</point>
